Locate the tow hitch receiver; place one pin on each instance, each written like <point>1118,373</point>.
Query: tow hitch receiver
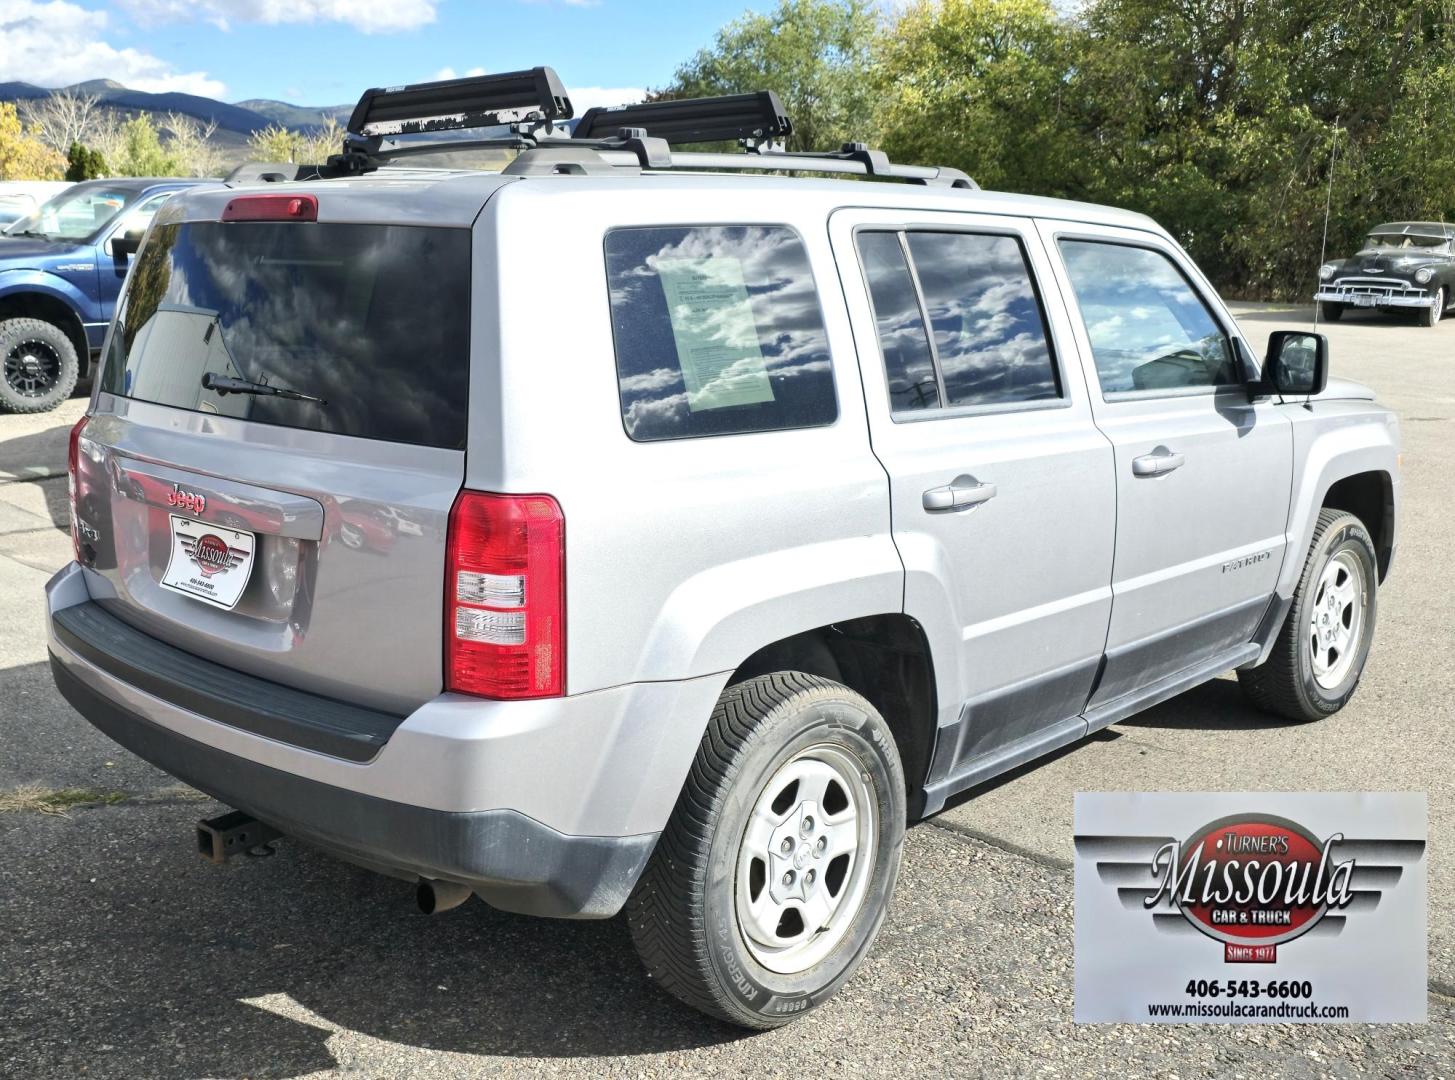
<point>222,837</point>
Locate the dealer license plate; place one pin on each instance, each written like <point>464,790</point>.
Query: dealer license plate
<point>209,562</point>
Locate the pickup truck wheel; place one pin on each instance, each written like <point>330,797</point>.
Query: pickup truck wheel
<point>769,884</point>
<point>1319,655</point>
<point>39,366</point>
<point>1329,311</point>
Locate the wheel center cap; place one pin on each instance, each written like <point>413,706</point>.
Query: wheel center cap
<point>30,364</point>
<point>802,856</point>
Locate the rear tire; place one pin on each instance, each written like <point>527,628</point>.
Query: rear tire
<point>1330,311</point>
<point>793,815</point>
<point>38,366</point>
<point>1321,648</point>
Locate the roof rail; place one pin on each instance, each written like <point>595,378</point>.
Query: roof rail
<point>854,159</point>
<point>757,117</point>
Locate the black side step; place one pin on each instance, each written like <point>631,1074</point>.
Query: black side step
<point>222,837</point>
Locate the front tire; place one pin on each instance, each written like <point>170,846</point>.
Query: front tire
<point>1431,315</point>
<point>770,882</point>
<point>1330,311</point>
<point>38,366</point>
<point>1320,651</point>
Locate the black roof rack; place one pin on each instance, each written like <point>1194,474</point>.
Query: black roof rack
<point>531,106</point>
<point>453,104</point>
<point>757,117</point>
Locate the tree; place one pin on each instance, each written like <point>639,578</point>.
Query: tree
<point>62,118</point>
<point>311,147</point>
<point>981,85</point>
<point>323,141</point>
<point>189,142</point>
<point>83,163</point>
<point>1217,117</point>
<point>22,155</point>
<point>139,151</point>
<point>274,143</point>
<point>814,53</point>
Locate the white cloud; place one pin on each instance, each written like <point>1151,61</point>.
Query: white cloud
<point>59,43</point>
<point>585,97</point>
<point>450,73</point>
<point>369,16</point>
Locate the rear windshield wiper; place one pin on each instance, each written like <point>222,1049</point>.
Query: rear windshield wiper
<point>226,384</point>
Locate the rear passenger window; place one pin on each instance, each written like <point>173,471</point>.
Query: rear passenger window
<point>960,324</point>
<point>717,330</point>
<point>908,364</point>
<point>1149,330</point>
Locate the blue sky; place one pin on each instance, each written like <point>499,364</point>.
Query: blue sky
<point>324,52</point>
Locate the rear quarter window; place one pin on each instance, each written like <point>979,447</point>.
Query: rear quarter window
<point>717,330</point>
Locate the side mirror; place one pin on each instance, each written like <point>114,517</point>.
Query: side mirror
<point>1297,363</point>
<point>126,243</point>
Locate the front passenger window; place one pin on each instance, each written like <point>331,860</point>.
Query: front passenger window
<point>1149,330</point>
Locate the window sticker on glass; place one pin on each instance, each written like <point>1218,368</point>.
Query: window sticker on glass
<point>717,330</point>
<point>717,337</point>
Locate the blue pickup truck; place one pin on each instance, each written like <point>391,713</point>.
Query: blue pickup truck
<point>61,269</point>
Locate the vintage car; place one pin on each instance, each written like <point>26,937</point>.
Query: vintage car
<point>1405,264</point>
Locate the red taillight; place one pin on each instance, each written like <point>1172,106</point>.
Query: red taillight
<point>73,462</point>
<point>505,596</point>
<point>272,208</point>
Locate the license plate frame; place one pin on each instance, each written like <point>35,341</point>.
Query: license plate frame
<point>211,563</point>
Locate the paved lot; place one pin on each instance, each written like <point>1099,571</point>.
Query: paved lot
<point>124,955</point>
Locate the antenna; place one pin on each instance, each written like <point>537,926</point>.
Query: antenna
<point>1328,202</point>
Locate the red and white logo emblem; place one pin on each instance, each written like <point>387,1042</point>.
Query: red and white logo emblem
<point>211,553</point>
<point>1250,881</point>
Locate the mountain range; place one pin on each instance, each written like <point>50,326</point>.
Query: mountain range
<point>235,122</point>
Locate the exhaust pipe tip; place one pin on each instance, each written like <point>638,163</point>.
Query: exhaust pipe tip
<point>434,896</point>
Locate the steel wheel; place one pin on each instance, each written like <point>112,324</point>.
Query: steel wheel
<point>805,859</point>
<point>1336,619</point>
<point>32,368</point>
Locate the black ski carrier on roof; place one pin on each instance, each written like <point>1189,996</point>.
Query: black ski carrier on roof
<point>534,108</point>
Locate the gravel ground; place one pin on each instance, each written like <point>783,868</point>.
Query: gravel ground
<point>124,955</point>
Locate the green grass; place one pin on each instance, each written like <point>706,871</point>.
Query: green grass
<point>34,798</point>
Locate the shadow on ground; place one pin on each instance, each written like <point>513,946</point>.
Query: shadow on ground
<point>1218,705</point>
<point>35,454</point>
<point>127,956</point>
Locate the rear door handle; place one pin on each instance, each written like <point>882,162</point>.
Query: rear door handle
<point>1159,462</point>
<point>959,493</point>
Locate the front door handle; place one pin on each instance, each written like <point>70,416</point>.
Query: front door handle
<point>1158,463</point>
<point>959,493</point>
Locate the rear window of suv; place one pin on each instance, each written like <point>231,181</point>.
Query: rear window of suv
<point>718,330</point>
<point>372,319</point>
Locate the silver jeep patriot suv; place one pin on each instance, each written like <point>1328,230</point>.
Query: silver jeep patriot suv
<point>624,530</point>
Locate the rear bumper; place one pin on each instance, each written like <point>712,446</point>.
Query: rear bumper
<point>545,808</point>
